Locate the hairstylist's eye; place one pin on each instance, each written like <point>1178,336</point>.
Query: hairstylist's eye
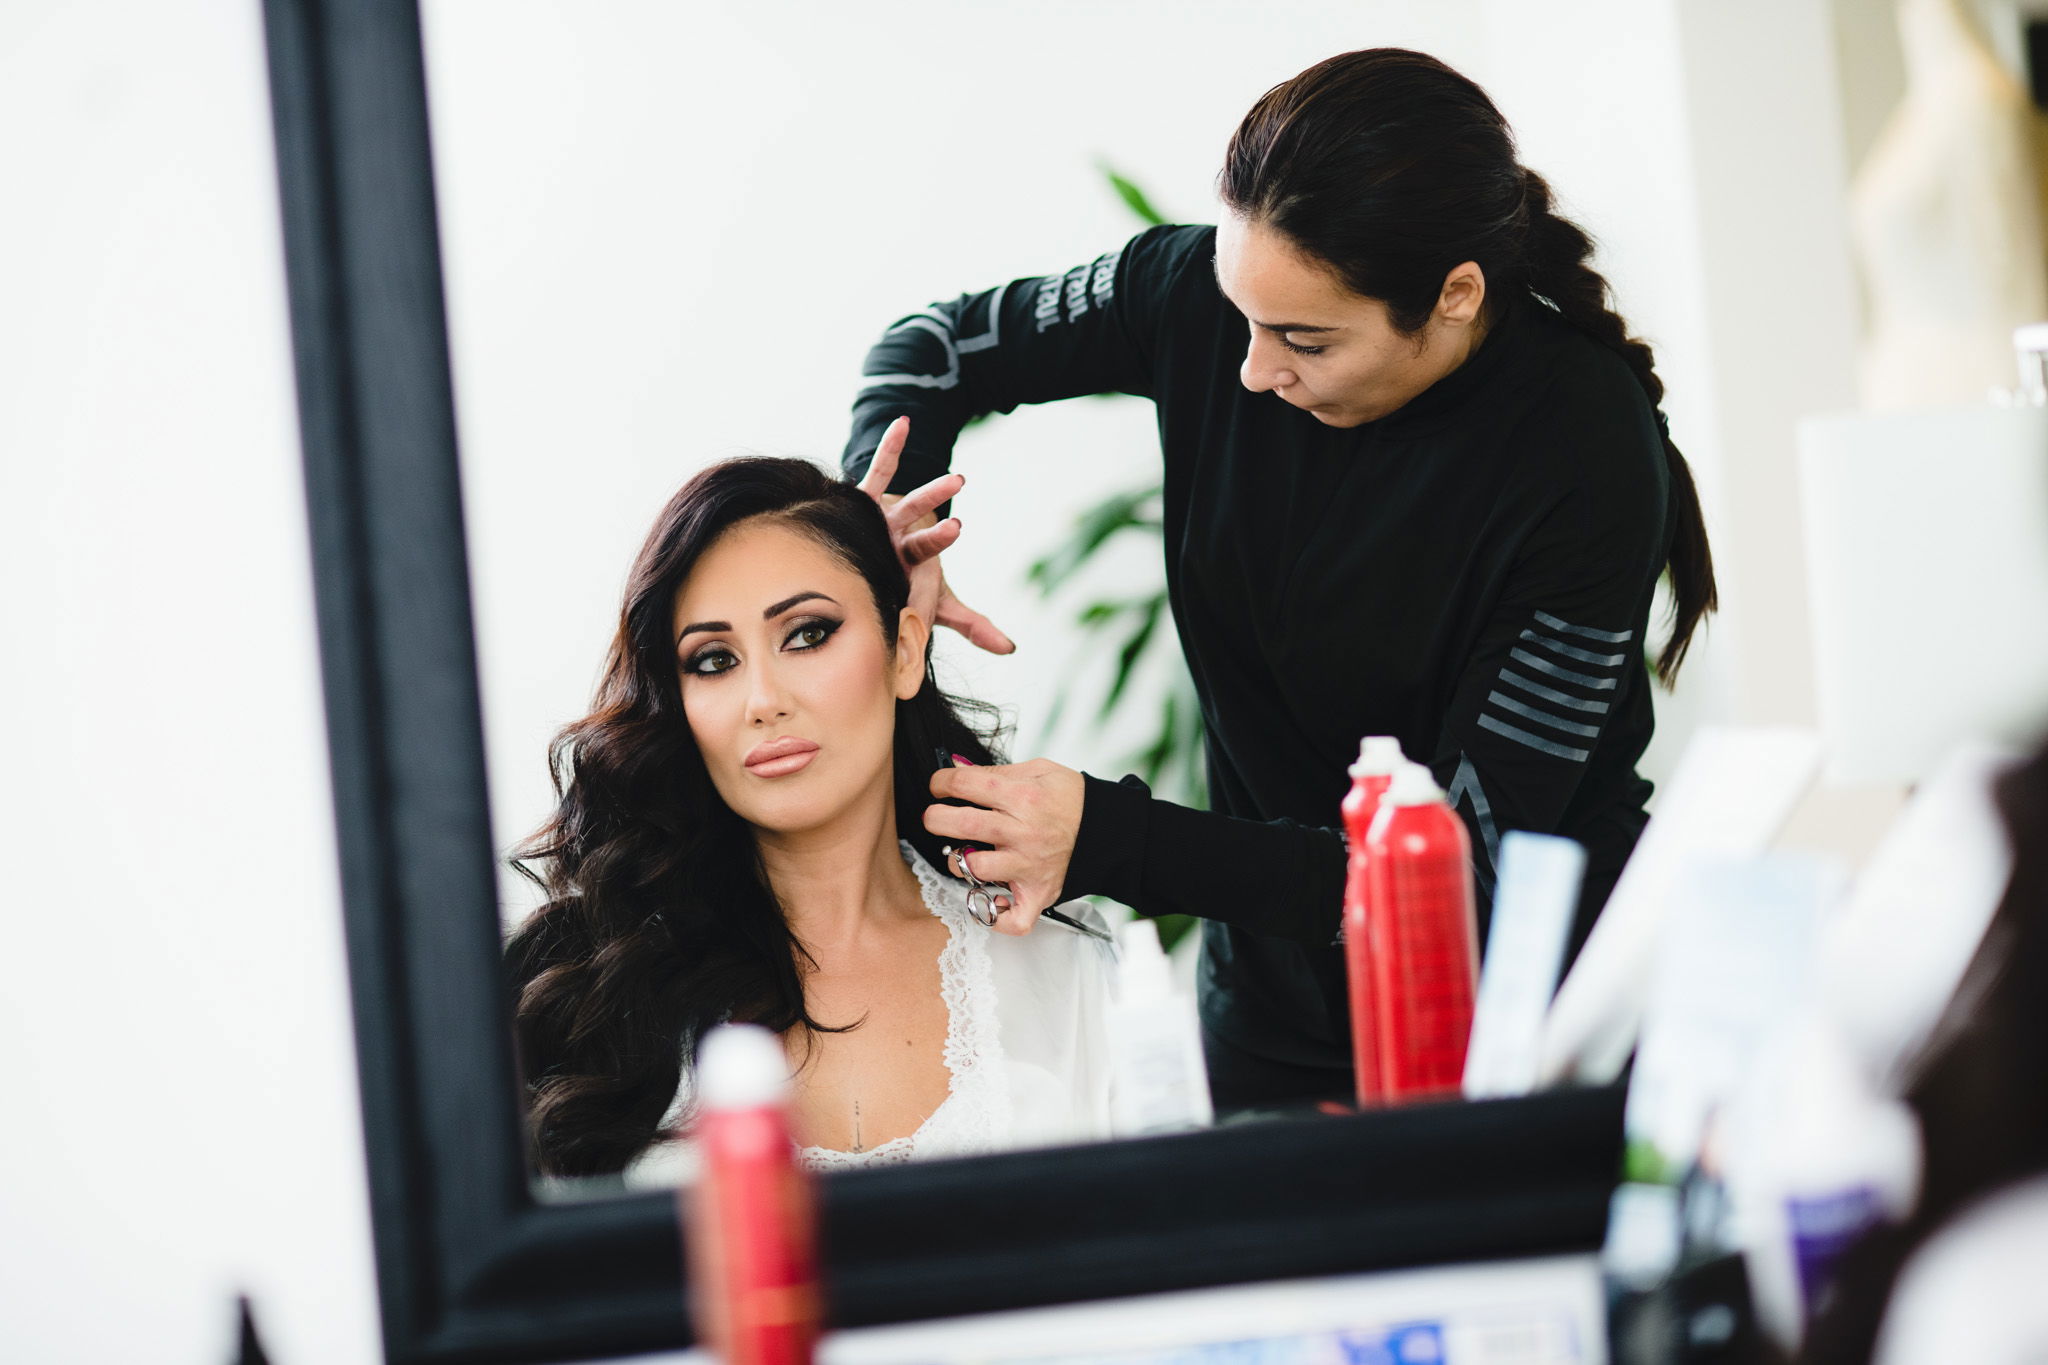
<point>710,661</point>
<point>811,633</point>
<point>1302,350</point>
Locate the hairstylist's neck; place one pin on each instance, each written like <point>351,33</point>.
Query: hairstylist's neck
<point>843,880</point>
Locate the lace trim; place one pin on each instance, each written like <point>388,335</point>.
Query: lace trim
<point>976,1111</point>
<point>974,1047</point>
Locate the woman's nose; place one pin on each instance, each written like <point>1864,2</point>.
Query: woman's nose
<point>767,698</point>
<point>1263,367</point>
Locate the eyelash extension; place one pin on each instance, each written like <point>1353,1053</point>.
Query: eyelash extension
<point>694,665</point>
<point>824,623</point>
<point>1302,350</point>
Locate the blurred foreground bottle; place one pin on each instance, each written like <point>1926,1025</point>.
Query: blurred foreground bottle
<point>750,1218</point>
<point>1155,1043</point>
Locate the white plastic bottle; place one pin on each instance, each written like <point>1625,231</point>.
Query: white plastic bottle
<point>1159,1083</point>
<point>1820,1158</point>
<point>1540,876</point>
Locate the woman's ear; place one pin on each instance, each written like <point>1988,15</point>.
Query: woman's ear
<point>913,636</point>
<point>1464,293</point>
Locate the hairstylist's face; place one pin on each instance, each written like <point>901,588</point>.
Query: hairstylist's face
<point>788,685</point>
<point>1332,353</point>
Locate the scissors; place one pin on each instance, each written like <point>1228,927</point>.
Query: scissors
<point>981,895</point>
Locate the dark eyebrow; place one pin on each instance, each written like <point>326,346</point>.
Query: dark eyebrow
<point>769,615</point>
<point>786,603</point>
<point>1274,327</point>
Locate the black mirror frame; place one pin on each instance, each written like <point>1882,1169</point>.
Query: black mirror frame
<point>470,1267</point>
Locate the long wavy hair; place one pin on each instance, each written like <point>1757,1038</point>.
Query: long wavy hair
<point>1391,169</point>
<point>659,920</point>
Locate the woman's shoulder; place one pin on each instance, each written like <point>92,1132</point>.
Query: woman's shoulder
<point>1587,385</point>
<point>1173,263</point>
<point>1062,947</point>
<point>1049,940</point>
<point>1590,426</point>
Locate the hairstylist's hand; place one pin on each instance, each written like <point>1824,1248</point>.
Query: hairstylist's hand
<point>1032,813</point>
<point>920,536</point>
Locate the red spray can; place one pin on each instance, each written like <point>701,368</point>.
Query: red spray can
<point>1422,939</point>
<point>1378,757</point>
<point>750,1218</point>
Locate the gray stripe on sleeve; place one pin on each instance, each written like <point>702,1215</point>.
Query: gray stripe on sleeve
<point>969,345</point>
<point>1612,637</point>
<point>1523,656</point>
<point>1465,785</point>
<point>1536,742</point>
<point>938,327</point>
<point>1584,656</point>
<point>1570,727</point>
<point>1537,689</point>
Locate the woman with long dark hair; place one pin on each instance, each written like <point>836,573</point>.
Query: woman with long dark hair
<point>739,838</point>
<point>1416,483</point>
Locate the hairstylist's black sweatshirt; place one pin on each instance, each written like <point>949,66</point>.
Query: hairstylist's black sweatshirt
<point>1471,574</point>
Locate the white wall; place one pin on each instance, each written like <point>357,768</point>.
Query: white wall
<point>672,233</point>
<point>181,1121</point>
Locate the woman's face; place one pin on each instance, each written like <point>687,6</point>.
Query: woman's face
<point>1330,352</point>
<point>788,685</point>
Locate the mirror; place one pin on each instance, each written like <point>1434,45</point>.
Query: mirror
<point>469,1264</point>
<point>672,236</point>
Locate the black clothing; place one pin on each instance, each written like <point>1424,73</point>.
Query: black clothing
<point>1245,1085</point>
<point>1471,574</point>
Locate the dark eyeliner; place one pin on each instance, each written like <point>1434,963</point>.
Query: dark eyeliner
<point>690,665</point>
<point>824,623</point>
<point>1302,350</point>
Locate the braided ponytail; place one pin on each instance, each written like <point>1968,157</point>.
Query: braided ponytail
<point>1391,168</point>
<point>1556,271</point>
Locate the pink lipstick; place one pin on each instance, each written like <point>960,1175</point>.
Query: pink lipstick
<point>780,757</point>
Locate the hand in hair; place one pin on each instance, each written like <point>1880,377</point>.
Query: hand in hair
<point>920,538</point>
<point>1028,817</point>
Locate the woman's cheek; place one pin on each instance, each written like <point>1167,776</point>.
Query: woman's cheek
<point>702,713</point>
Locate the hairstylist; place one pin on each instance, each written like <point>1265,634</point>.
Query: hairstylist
<point>1416,483</point>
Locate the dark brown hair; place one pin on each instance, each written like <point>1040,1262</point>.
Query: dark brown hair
<point>1980,1091</point>
<point>1392,169</point>
<point>659,921</point>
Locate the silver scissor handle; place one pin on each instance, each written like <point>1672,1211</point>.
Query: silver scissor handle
<point>982,907</point>
<point>981,901</point>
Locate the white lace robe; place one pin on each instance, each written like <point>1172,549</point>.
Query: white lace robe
<point>1026,1045</point>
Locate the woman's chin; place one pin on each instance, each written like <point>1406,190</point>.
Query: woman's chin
<point>794,812</point>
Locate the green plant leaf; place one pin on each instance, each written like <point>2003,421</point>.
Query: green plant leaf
<point>1133,197</point>
<point>1134,509</point>
<point>1096,615</point>
<point>1173,928</point>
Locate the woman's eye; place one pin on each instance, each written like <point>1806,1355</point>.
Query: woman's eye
<point>1302,350</point>
<point>811,634</point>
<point>710,662</point>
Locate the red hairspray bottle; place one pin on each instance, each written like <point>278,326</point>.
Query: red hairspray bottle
<point>750,1220</point>
<point>1421,939</point>
<point>1378,757</point>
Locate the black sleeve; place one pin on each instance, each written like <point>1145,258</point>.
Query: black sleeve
<point>1558,658</point>
<point>1279,877</point>
<point>1092,329</point>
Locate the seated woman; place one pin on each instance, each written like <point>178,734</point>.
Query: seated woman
<point>739,837</point>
